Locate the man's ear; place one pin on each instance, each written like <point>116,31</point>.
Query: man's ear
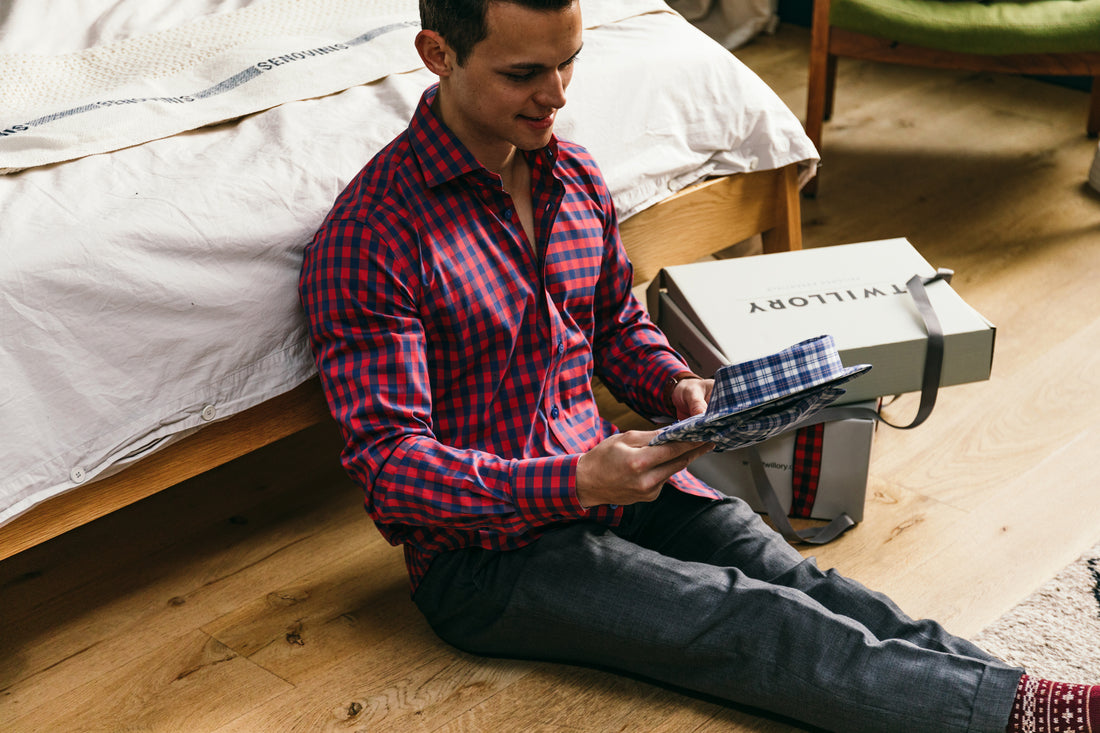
<point>434,52</point>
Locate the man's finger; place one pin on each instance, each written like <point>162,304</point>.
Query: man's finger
<point>685,453</point>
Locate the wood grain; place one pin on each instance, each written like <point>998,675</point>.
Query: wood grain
<point>712,216</point>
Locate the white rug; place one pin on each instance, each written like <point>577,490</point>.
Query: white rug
<point>1055,633</point>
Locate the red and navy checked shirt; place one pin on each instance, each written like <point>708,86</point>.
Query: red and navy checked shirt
<point>458,358</point>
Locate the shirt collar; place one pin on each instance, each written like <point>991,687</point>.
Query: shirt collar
<point>442,156</point>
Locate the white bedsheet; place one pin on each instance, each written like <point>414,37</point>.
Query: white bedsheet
<point>215,68</point>
<point>147,291</point>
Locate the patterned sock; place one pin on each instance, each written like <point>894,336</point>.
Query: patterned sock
<point>1042,706</point>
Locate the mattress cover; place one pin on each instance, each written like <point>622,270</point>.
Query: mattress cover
<point>149,290</point>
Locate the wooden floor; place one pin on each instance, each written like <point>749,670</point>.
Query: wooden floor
<point>259,597</point>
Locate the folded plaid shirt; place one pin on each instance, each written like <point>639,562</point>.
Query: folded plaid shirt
<point>761,398</point>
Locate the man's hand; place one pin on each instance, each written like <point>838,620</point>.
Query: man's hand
<point>625,469</point>
<point>690,397</point>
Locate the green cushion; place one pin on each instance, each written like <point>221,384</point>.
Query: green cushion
<point>990,27</point>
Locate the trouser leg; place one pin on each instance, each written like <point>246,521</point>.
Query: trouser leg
<point>748,634</point>
<point>699,530</point>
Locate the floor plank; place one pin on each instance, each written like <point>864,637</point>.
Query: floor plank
<point>347,608</point>
<point>180,687</point>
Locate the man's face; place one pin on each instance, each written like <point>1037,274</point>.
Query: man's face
<point>513,82</point>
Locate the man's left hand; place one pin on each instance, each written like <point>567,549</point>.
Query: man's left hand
<point>690,397</point>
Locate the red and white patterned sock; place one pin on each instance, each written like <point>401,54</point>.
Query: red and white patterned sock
<point>1042,706</point>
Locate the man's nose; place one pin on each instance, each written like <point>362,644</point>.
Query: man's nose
<point>552,92</point>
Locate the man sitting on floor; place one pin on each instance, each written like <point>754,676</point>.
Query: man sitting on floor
<point>461,293</point>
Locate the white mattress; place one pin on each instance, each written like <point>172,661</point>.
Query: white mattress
<point>147,291</point>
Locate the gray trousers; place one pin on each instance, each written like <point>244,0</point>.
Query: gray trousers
<point>701,594</point>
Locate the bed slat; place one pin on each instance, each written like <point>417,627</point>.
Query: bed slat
<point>712,215</point>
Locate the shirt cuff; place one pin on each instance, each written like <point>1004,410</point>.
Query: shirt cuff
<point>544,489</point>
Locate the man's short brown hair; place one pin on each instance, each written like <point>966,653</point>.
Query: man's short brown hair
<point>462,22</point>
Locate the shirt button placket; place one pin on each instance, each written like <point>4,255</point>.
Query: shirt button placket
<point>554,411</point>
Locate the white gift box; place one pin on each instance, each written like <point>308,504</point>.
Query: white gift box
<point>726,311</point>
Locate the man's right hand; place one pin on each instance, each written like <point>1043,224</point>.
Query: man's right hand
<point>624,469</point>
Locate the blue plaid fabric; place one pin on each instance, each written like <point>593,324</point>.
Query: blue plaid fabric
<point>758,399</point>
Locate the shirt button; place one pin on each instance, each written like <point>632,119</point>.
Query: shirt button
<point>554,412</point>
<point>561,347</point>
<point>208,413</point>
<point>507,213</point>
<point>77,475</point>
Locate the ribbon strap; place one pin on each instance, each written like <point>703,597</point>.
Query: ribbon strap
<point>812,535</point>
<point>933,354</point>
<point>806,469</point>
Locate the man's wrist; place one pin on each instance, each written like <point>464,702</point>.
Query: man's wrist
<point>670,388</point>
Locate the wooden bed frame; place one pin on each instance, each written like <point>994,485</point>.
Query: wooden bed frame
<point>699,221</point>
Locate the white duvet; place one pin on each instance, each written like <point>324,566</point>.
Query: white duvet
<point>147,291</point>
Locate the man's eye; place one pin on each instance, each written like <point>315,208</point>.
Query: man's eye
<point>525,76</point>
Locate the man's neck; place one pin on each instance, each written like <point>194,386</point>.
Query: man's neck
<point>514,172</point>
<point>498,158</point>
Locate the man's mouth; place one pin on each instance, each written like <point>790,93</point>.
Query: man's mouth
<point>543,122</point>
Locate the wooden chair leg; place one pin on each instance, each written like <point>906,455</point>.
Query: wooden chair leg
<point>816,104</point>
<point>818,84</point>
<point>830,87</point>
<point>817,92</point>
<point>1093,126</point>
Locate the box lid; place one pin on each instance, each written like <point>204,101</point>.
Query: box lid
<point>747,307</point>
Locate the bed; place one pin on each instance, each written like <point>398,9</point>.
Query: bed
<point>154,207</point>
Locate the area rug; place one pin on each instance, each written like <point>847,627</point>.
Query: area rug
<point>1055,633</point>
